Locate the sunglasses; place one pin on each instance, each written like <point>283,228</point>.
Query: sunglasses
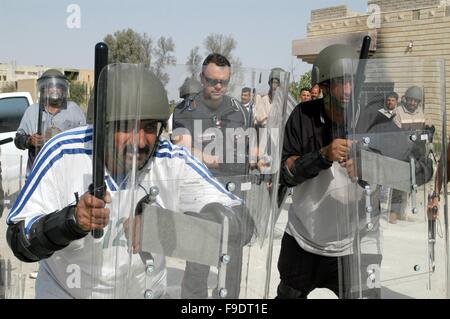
<point>214,82</point>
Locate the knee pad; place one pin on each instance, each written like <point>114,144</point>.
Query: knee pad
<point>286,292</point>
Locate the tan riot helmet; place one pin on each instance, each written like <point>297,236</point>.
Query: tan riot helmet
<point>333,61</point>
<point>53,88</point>
<point>133,93</point>
<point>275,73</point>
<point>134,99</point>
<point>413,97</point>
<point>189,87</point>
<point>414,92</point>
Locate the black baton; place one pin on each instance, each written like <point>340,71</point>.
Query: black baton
<point>39,124</point>
<point>359,79</point>
<point>98,187</point>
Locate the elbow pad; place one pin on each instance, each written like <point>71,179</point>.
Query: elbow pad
<point>304,168</point>
<point>21,141</point>
<point>241,224</point>
<point>51,233</point>
<point>19,244</point>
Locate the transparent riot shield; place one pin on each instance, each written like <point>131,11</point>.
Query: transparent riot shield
<point>13,273</point>
<point>398,249</point>
<point>180,226</point>
<point>125,91</point>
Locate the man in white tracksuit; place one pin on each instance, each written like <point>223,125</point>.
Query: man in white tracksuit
<point>51,224</point>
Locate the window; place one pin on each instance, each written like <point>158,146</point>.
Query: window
<point>416,14</point>
<point>447,11</point>
<point>11,111</point>
<point>20,72</point>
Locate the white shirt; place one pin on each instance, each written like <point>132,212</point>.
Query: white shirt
<point>323,211</point>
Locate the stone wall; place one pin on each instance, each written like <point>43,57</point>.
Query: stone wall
<point>424,23</point>
<point>329,13</point>
<point>389,5</point>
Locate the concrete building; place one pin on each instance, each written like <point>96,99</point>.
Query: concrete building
<point>399,29</point>
<point>24,78</point>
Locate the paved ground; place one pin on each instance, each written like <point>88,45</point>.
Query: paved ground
<point>20,271</point>
<point>405,265</point>
<point>404,268</point>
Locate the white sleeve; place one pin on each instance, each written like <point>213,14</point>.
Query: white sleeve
<point>198,187</point>
<point>41,194</point>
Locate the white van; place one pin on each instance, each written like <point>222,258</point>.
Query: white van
<point>12,160</point>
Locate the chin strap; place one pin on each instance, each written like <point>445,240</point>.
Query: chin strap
<point>155,147</point>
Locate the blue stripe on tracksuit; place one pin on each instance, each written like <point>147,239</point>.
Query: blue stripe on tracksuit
<point>15,211</point>
<point>86,132</point>
<point>47,151</point>
<point>110,183</point>
<point>32,221</point>
<point>198,167</point>
<point>195,164</point>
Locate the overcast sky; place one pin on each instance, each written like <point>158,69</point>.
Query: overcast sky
<point>36,32</point>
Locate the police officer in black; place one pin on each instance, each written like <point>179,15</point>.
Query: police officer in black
<point>209,125</point>
<point>188,90</point>
<point>202,122</point>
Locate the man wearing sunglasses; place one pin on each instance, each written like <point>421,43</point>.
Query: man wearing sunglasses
<point>211,113</point>
<point>211,119</point>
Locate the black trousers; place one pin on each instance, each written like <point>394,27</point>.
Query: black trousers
<point>301,272</point>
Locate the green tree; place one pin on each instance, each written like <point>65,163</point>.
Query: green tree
<point>128,46</point>
<point>79,94</point>
<point>304,82</point>
<point>164,57</point>
<point>219,43</point>
<point>194,62</point>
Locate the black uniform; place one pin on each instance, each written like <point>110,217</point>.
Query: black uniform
<point>228,115</point>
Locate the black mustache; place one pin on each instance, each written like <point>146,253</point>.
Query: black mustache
<point>129,148</point>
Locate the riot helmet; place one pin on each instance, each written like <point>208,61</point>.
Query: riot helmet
<point>53,88</point>
<point>136,102</point>
<point>333,61</point>
<point>122,87</point>
<point>413,98</point>
<point>335,64</point>
<point>189,87</point>
<point>275,73</point>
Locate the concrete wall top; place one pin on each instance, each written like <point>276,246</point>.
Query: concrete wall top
<point>329,13</point>
<point>389,5</point>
